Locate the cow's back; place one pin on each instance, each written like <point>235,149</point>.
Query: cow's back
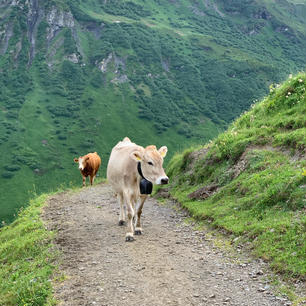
<point>94,161</point>
<point>121,168</point>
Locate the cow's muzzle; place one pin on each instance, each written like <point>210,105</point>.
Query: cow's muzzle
<point>164,181</point>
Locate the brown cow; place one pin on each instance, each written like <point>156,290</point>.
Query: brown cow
<point>89,165</point>
<point>129,164</point>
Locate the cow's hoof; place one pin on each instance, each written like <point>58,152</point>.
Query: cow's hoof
<point>129,238</point>
<point>121,222</point>
<point>138,231</point>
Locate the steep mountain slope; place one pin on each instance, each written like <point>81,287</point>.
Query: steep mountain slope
<point>249,181</point>
<point>76,76</point>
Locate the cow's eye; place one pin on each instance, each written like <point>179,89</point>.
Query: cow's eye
<point>150,163</point>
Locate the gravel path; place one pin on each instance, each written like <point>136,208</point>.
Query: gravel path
<point>170,264</point>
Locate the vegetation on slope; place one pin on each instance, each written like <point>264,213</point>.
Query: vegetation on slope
<point>249,180</point>
<point>26,259</point>
<point>77,76</point>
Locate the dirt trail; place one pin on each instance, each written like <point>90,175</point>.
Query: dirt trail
<point>170,264</point>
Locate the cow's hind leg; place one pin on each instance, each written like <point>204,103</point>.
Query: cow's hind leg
<point>92,179</point>
<point>122,211</point>
<point>130,216</point>
<point>138,229</point>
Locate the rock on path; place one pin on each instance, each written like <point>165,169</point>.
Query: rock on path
<point>170,264</point>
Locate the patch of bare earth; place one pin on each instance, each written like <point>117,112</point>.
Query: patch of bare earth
<point>170,264</point>
<point>203,192</point>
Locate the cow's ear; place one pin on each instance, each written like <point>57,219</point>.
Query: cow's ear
<point>76,160</point>
<point>136,155</point>
<point>87,158</point>
<point>163,151</point>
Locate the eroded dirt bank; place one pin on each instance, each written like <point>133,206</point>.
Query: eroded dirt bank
<point>170,264</point>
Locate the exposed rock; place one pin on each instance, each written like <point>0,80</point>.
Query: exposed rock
<point>217,10</point>
<point>262,14</point>
<point>282,29</point>
<point>74,58</point>
<point>17,3</point>
<point>5,38</point>
<point>195,10</point>
<point>103,64</point>
<point>120,79</point>
<point>77,41</point>
<point>240,166</point>
<point>34,17</point>
<point>58,19</point>
<point>112,57</point>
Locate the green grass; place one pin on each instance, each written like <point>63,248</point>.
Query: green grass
<point>27,259</point>
<point>257,165</point>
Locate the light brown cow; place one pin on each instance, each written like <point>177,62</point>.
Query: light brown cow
<point>128,164</point>
<point>89,165</point>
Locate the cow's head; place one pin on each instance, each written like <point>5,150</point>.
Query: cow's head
<point>152,164</point>
<point>82,161</point>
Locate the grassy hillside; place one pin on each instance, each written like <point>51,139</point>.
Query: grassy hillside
<point>77,76</point>
<point>26,259</point>
<point>249,180</point>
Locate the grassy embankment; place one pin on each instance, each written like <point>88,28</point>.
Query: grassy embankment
<point>256,168</point>
<point>27,259</point>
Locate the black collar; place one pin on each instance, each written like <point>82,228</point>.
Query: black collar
<point>139,170</point>
<point>145,186</point>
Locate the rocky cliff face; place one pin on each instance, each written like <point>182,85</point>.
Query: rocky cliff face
<point>32,14</point>
<point>58,20</point>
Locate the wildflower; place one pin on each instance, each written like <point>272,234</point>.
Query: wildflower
<point>290,76</point>
<point>300,80</point>
<point>304,172</point>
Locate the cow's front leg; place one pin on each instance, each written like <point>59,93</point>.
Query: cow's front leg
<point>91,180</point>
<point>130,215</point>
<point>84,180</point>
<point>138,229</point>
